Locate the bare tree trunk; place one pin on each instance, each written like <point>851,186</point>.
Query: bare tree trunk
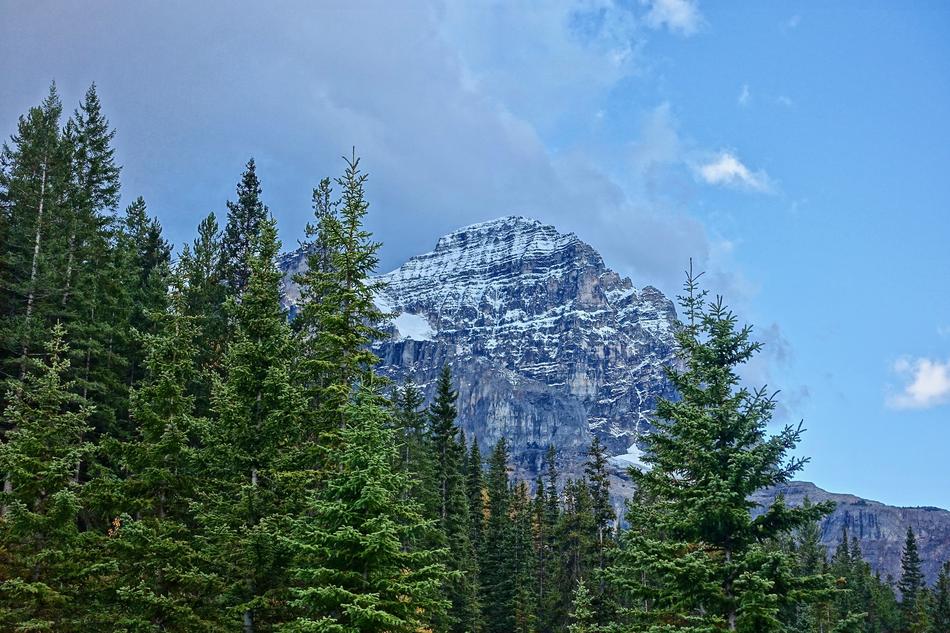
<point>34,264</point>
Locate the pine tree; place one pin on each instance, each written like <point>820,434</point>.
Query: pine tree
<point>694,556</point>
<point>497,582</point>
<point>161,579</point>
<point>256,438</point>
<point>475,489</point>
<point>339,318</point>
<point>582,618</point>
<point>245,219</point>
<point>205,296</point>
<point>91,293</point>
<point>598,481</point>
<point>940,602</point>
<point>911,583</point>
<point>453,510</point>
<point>415,454</point>
<point>551,605</point>
<point>35,173</point>
<point>41,548</point>
<point>523,566</point>
<point>355,566</point>
<point>576,537</point>
<point>143,267</point>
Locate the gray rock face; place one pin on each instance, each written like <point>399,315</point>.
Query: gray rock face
<point>548,346</point>
<point>880,529</point>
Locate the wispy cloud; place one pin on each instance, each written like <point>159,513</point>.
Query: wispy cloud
<point>679,16</point>
<point>783,100</point>
<point>793,22</point>
<point>745,96</point>
<point>927,383</point>
<point>727,170</point>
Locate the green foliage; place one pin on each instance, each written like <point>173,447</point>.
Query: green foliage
<point>695,557</point>
<point>160,578</point>
<point>41,547</point>
<point>911,582</point>
<point>339,319</point>
<point>255,439</point>
<point>355,565</point>
<point>245,220</point>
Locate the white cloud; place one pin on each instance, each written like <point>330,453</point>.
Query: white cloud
<point>745,97</point>
<point>928,383</point>
<point>783,100</point>
<point>726,169</point>
<point>680,16</point>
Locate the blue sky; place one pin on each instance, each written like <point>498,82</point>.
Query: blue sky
<point>797,151</point>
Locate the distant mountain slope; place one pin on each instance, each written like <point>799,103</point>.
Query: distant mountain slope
<point>549,346</point>
<point>880,528</point>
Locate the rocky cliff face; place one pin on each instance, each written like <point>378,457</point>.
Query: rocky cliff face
<point>881,529</point>
<point>549,346</point>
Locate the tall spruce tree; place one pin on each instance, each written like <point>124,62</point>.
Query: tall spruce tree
<point>551,605</point>
<point>92,300</point>
<point>245,219</point>
<point>911,583</point>
<point>144,261</point>
<point>694,557</point>
<point>522,562</point>
<point>940,602</point>
<point>415,453</point>
<point>497,582</point>
<point>161,579</point>
<point>42,574</point>
<point>339,319</point>
<point>355,564</point>
<point>200,265</point>
<point>453,509</point>
<point>475,489</point>
<point>256,438</point>
<point>35,175</point>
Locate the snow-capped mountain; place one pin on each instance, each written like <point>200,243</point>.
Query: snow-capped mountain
<point>549,346</point>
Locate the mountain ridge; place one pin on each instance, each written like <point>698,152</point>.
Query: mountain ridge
<point>550,346</point>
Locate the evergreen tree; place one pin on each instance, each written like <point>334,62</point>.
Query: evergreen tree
<point>245,219</point>
<point>91,295</point>
<point>551,606</point>
<point>415,454</point>
<point>911,584</point>
<point>35,172</point>
<point>576,537</point>
<point>160,580</point>
<point>355,566</point>
<point>256,438</point>
<point>205,296</point>
<point>523,566</point>
<point>475,489</point>
<point>145,259</point>
<point>598,478</point>
<point>940,602</point>
<point>41,548</point>
<point>453,509</point>
<point>694,556</point>
<point>497,582</point>
<point>582,618</point>
<point>339,319</point>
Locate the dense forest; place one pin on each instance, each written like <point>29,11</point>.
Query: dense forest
<point>179,455</point>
